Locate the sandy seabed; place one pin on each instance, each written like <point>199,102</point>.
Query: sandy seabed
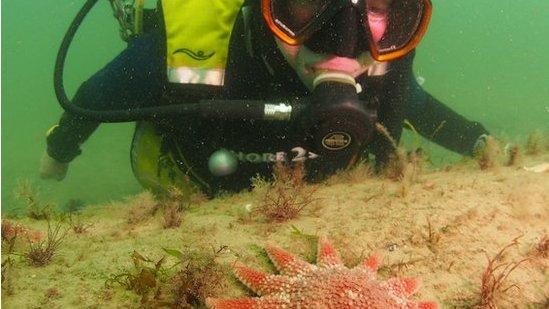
<point>441,229</point>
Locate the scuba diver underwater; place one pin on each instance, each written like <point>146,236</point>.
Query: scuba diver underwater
<point>221,90</point>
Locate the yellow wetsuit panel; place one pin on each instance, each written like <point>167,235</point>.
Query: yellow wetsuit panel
<point>197,34</point>
<point>153,169</point>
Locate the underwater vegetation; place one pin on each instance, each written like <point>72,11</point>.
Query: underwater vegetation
<point>489,154</point>
<point>197,276</point>
<point>41,248</point>
<point>143,278</point>
<point>174,202</point>
<point>200,276</point>
<point>170,204</point>
<point>42,251</point>
<point>404,166</point>
<point>35,209</point>
<point>455,227</point>
<point>286,197</point>
<point>495,153</point>
<point>76,223</point>
<point>514,156</point>
<point>73,206</point>
<point>541,249</point>
<point>534,143</point>
<point>494,278</point>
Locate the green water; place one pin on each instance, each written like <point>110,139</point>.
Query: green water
<point>486,59</point>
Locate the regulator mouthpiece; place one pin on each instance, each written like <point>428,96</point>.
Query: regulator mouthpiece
<point>337,77</point>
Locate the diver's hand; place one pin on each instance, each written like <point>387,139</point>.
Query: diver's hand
<point>480,144</point>
<point>52,169</point>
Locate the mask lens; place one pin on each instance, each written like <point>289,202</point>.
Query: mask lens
<point>396,25</point>
<point>294,16</point>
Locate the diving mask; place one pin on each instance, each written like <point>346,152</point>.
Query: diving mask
<point>405,22</point>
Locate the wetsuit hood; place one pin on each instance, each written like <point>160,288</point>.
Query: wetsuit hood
<point>260,46</point>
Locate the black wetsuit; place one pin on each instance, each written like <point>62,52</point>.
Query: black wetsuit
<point>137,78</point>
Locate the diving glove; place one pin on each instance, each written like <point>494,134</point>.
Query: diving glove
<point>480,144</point>
<point>52,169</point>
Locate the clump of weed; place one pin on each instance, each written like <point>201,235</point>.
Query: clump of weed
<point>245,214</point>
<point>144,278</point>
<point>172,216</point>
<point>173,203</point>
<point>356,173</point>
<point>288,194</point>
<point>248,212</point>
<point>74,206</point>
<point>7,272</point>
<point>487,155</point>
<point>432,238</point>
<point>404,166</point>
<point>10,232</point>
<point>494,278</point>
<point>42,252</point>
<point>360,171</point>
<point>396,165</point>
<point>143,207</point>
<point>158,285</point>
<point>534,143</point>
<point>77,225</point>
<point>541,248</point>
<point>52,293</point>
<point>197,198</point>
<point>200,277</point>
<point>260,185</point>
<point>7,277</point>
<point>397,159</point>
<point>398,268</point>
<point>418,160</point>
<point>310,239</point>
<point>514,156</point>
<point>34,208</point>
<point>410,174</point>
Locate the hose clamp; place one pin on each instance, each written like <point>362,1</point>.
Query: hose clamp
<point>129,14</point>
<point>279,111</point>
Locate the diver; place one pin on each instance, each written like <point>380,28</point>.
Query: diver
<point>348,62</point>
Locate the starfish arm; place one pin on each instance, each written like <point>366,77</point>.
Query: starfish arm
<point>373,262</point>
<point>404,286</point>
<point>428,305</point>
<point>327,256</point>
<point>259,282</point>
<point>287,263</point>
<point>242,303</point>
<point>266,302</point>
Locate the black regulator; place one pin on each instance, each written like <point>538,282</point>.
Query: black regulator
<point>337,125</point>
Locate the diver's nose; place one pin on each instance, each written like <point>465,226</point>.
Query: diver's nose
<point>342,35</point>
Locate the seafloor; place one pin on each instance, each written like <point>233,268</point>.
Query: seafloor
<point>442,226</point>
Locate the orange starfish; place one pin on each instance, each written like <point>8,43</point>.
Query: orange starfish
<point>329,284</point>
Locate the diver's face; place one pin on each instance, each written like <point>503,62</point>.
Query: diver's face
<point>309,64</point>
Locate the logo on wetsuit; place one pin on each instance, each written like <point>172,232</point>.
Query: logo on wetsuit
<point>299,154</point>
<point>336,140</point>
<point>200,55</point>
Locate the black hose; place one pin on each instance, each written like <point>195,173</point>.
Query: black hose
<point>209,109</point>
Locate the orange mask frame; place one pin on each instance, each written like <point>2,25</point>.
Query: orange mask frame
<point>413,42</point>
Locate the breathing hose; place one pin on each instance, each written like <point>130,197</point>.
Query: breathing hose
<point>216,109</point>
